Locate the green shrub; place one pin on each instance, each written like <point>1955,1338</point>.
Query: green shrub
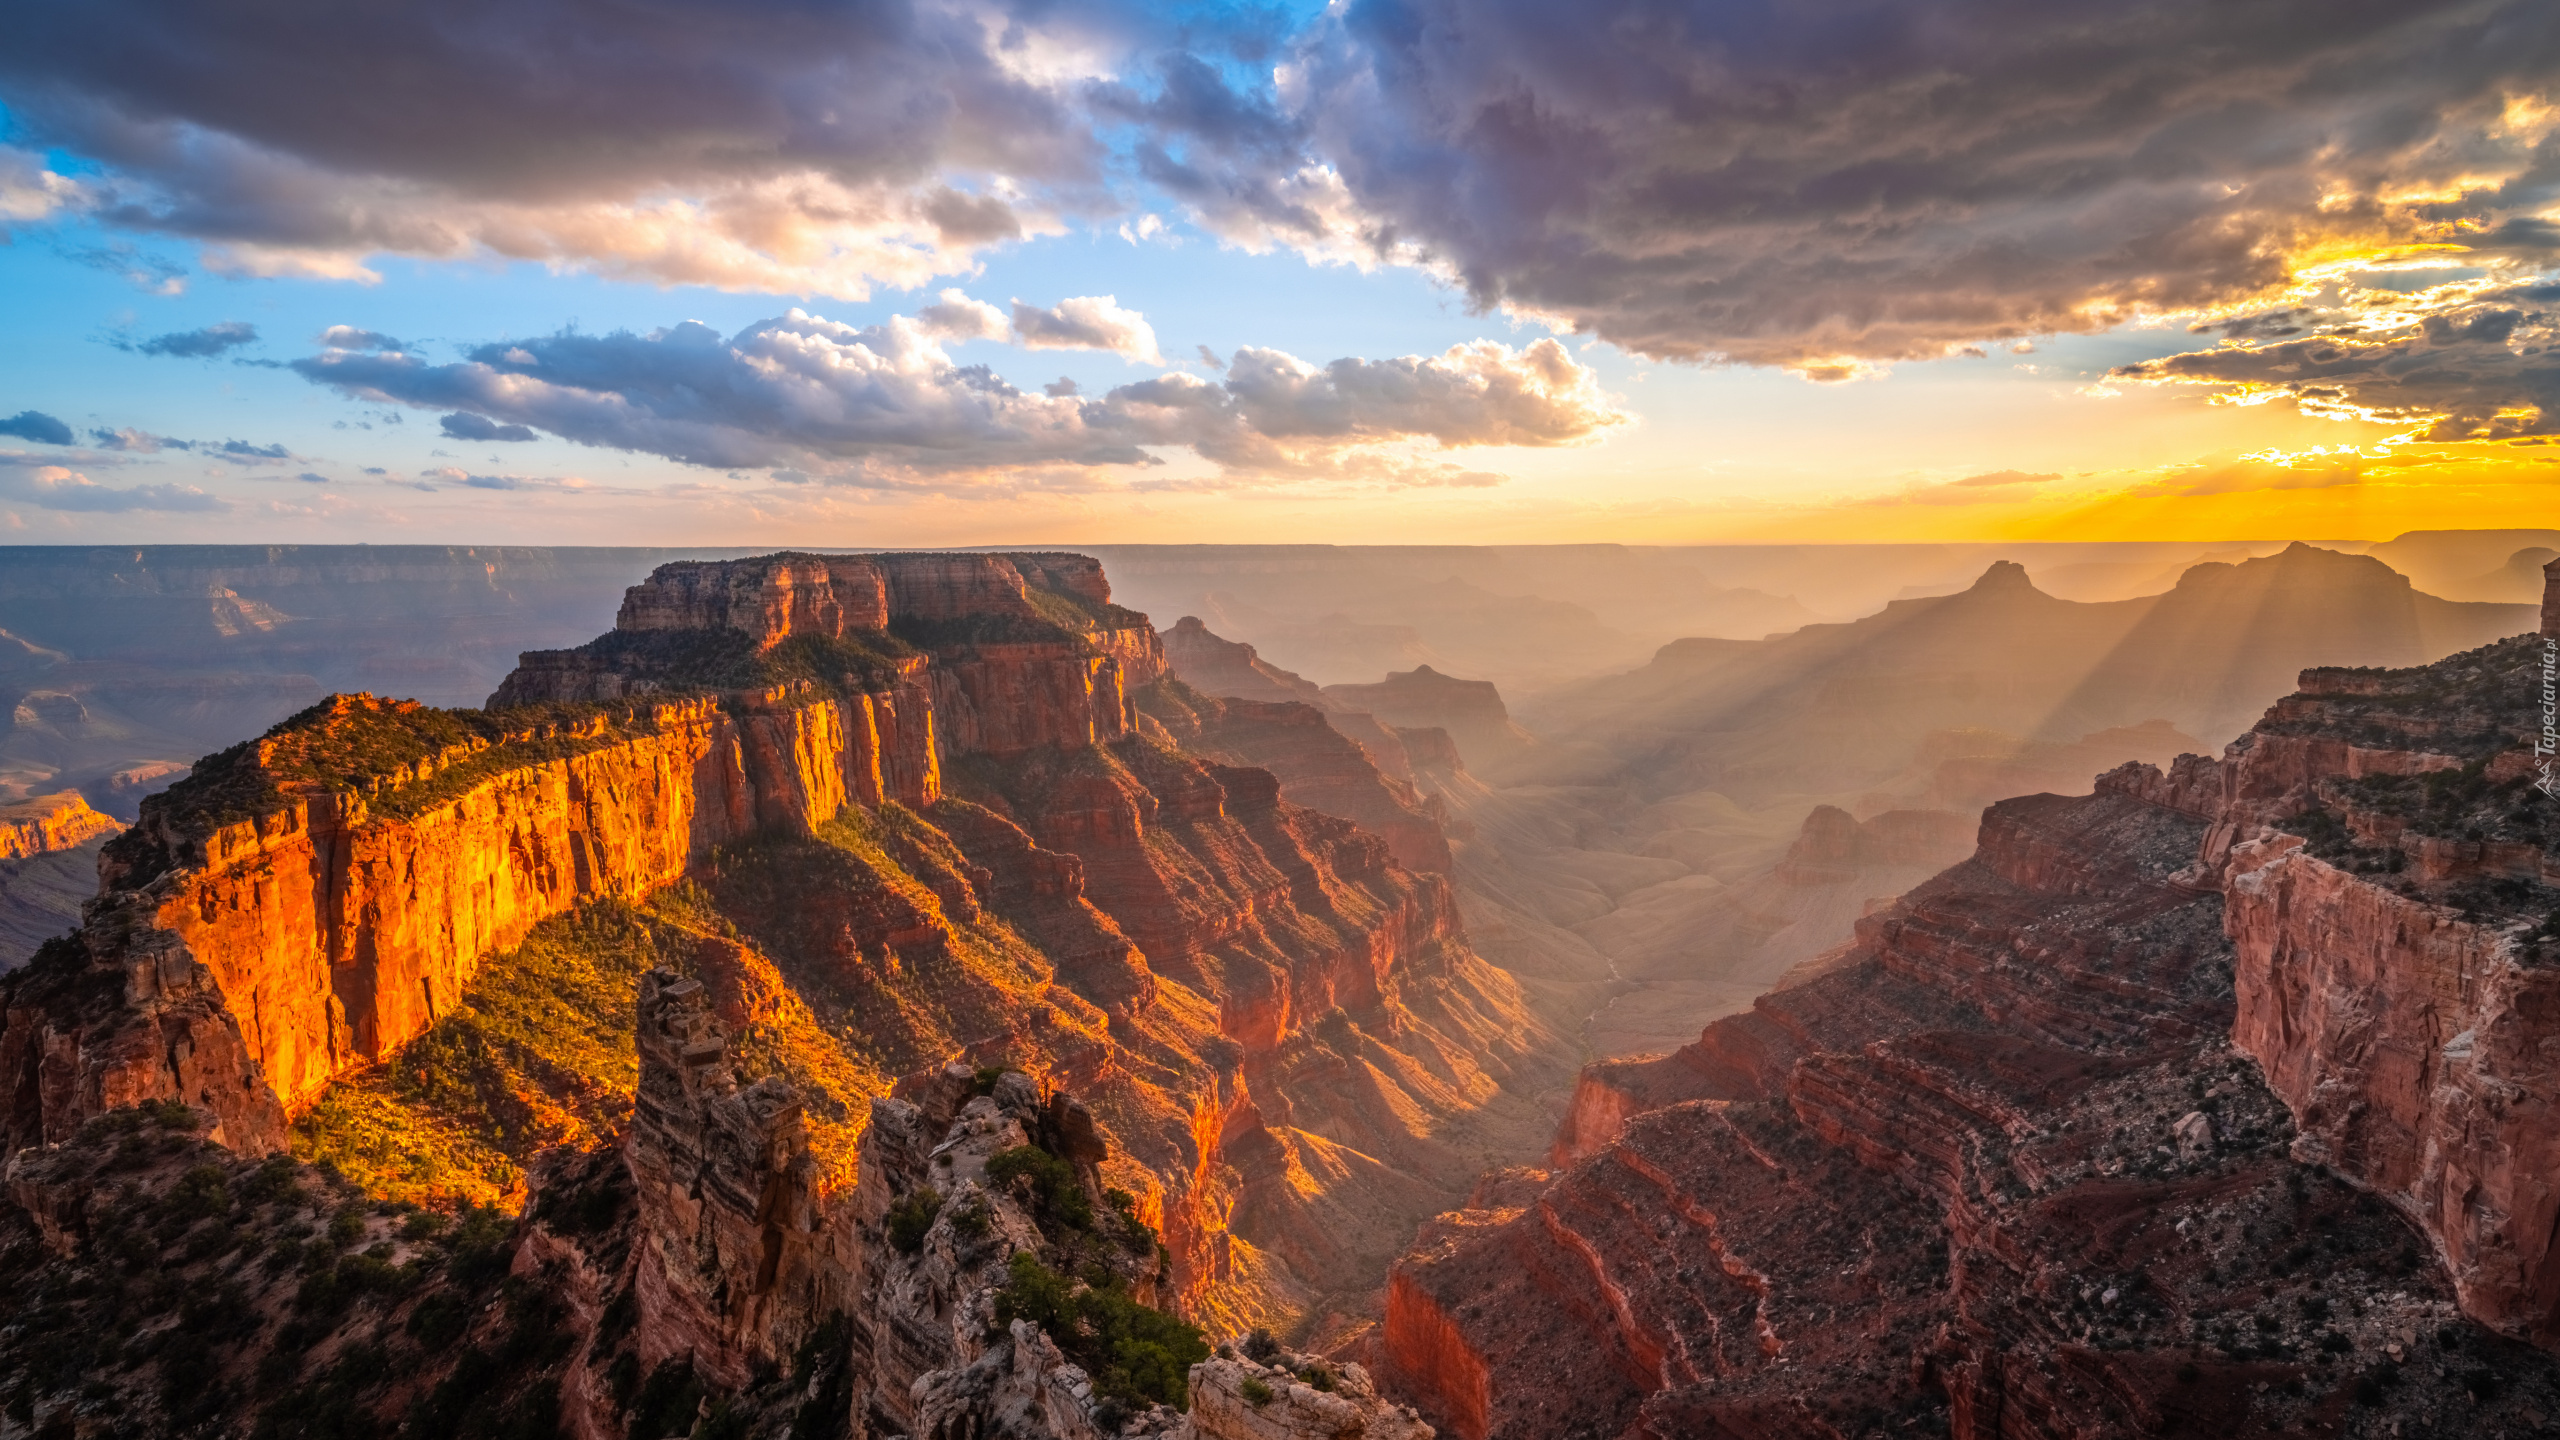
<point>440,1320</point>
<point>1132,1351</point>
<point>200,1194</point>
<point>1052,1182</point>
<point>912,1217</point>
<point>1255,1392</point>
<point>347,1227</point>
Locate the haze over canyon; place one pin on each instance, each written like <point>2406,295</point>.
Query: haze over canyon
<point>2064,1116</point>
<point>1371,720</point>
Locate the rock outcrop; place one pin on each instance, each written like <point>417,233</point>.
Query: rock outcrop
<point>340,879</point>
<point>946,837</point>
<point>1288,1396</point>
<point>2387,860</point>
<point>2182,1107</point>
<point>1317,763</point>
<point>741,1256</point>
<point>1471,711</point>
<point>42,824</point>
<point>1213,665</point>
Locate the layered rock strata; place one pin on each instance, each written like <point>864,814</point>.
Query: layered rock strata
<point>687,1278</point>
<point>1471,711</point>
<point>741,1256</point>
<point>339,880</point>
<point>1282,1026</point>
<point>42,824</point>
<point>1317,762</point>
<point>2147,1120</point>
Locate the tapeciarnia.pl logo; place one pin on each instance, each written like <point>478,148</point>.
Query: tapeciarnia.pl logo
<point>2547,745</point>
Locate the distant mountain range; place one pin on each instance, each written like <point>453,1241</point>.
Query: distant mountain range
<point>1838,707</point>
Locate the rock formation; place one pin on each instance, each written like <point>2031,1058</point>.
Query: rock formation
<point>945,836</point>
<point>2205,1103</point>
<point>741,1255</point>
<point>42,824</point>
<point>1216,666</point>
<point>1471,711</point>
<point>1289,1396</point>
<point>1848,707</point>
<point>1317,764</point>
<point>981,1281</point>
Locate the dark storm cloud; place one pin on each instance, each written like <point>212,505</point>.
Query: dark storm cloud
<point>201,344</point>
<point>2469,362</point>
<point>302,137</point>
<point>1813,183</point>
<point>37,426</point>
<point>1789,180</point>
<point>887,404</point>
<point>463,425</point>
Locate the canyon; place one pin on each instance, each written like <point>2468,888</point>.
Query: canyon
<point>918,802</point>
<point>2214,1099</point>
<point>906,993</point>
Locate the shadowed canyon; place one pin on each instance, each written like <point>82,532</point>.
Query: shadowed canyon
<point>1281,991</point>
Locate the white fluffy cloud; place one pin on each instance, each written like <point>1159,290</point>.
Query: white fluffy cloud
<point>1087,322</point>
<point>888,405</point>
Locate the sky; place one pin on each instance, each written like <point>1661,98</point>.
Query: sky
<point>1466,271</point>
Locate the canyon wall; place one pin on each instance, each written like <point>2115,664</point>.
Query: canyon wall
<point>42,824</point>
<point>2387,863</point>
<point>338,881</point>
<point>955,836</point>
<point>2216,1101</point>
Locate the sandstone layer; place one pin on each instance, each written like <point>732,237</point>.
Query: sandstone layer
<point>2183,1107</point>
<point>952,834</point>
<point>41,824</point>
<point>980,1282</point>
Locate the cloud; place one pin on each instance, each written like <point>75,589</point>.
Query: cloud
<point>886,405</point>
<point>133,265</point>
<point>1087,322</point>
<point>1785,183</point>
<point>348,337</point>
<point>310,478</point>
<point>30,191</point>
<point>957,317</point>
<point>463,425</point>
<point>52,487</point>
<point>139,442</point>
<point>765,145</point>
<point>453,475</point>
<point>245,453</point>
<point>2471,359</point>
<point>37,426</point>
<point>1826,188</point>
<point>1995,487</point>
<point>201,344</point>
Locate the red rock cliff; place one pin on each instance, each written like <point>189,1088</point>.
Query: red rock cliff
<point>1283,1026</point>
<point>2196,1080</point>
